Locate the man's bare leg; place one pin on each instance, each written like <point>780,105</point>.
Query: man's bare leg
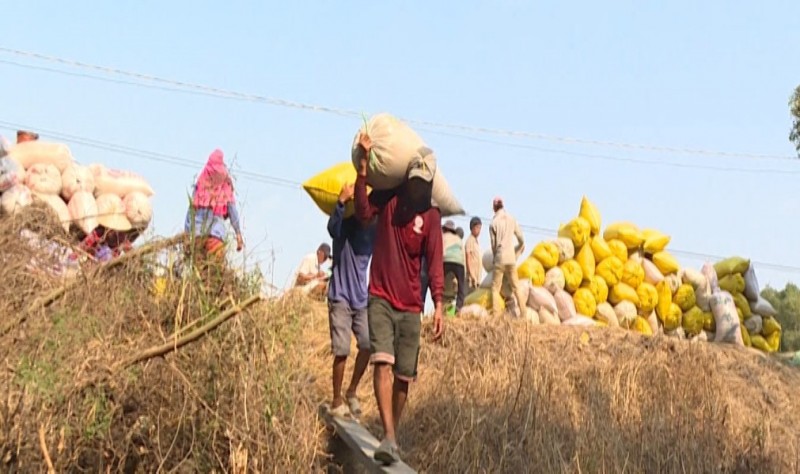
<point>362,360</point>
<point>339,364</point>
<point>399,397</point>
<point>383,394</point>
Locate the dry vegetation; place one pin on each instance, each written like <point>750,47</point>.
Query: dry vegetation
<point>494,396</point>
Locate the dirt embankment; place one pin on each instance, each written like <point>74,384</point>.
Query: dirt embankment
<point>493,396</point>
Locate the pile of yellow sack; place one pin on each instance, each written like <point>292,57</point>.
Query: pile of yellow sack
<point>624,277</point>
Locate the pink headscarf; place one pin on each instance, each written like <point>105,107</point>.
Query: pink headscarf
<point>214,188</point>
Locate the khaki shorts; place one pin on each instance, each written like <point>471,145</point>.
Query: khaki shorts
<point>394,338</point>
<point>345,321</point>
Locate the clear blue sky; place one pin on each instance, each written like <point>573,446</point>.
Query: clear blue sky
<point>713,75</point>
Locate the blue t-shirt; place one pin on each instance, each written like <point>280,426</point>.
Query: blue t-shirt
<point>352,249</point>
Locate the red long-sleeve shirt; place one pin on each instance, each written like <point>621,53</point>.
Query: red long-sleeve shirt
<point>395,271</point>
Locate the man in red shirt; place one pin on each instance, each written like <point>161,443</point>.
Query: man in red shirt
<point>408,227</point>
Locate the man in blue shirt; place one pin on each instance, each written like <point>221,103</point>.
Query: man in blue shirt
<point>347,300</point>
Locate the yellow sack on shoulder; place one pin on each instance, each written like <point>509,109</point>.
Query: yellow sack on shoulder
<point>693,321</point>
<point>591,214</point>
<point>573,275</point>
<point>632,273</point>
<point>324,188</point>
<point>664,300</point>
<point>531,270</point>
<point>628,233</point>
<point>600,248</point>
<point>648,298</point>
<point>618,249</point>
<point>577,230</point>
<point>547,254</point>
<point>654,241</point>
<point>611,270</point>
<point>622,292</point>
<point>641,326</point>
<point>585,259</point>
<point>585,303</point>
<point>743,305</point>
<point>731,265</point>
<point>597,285</point>
<point>732,283</point>
<point>665,263</point>
<point>483,298</point>
<point>685,297</point>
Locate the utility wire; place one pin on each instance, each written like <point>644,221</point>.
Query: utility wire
<point>268,179</point>
<point>352,113</point>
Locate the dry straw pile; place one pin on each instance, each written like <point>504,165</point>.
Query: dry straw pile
<point>92,381</point>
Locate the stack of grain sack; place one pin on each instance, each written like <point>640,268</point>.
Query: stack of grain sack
<point>624,277</point>
<point>47,172</point>
<point>394,146</point>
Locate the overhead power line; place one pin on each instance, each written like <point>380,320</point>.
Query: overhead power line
<point>224,93</point>
<point>288,183</point>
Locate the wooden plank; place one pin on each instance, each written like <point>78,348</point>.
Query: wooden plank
<point>362,443</point>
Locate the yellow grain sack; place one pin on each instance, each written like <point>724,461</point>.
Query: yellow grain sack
<point>483,298</point>
<point>758,341</point>
<point>585,303</point>
<point>622,292</point>
<point>654,241</point>
<point>532,270</point>
<point>745,336</point>
<point>692,322</point>
<point>632,273</point>
<point>597,285</point>
<point>628,233</point>
<point>732,283</point>
<point>641,326</point>
<point>324,187</point>
<point>600,248</point>
<point>648,298</point>
<point>774,341</point>
<point>547,254</point>
<point>743,305</point>
<point>709,323</point>
<point>585,259</point>
<point>685,297</point>
<point>664,300</point>
<point>611,270</point>
<point>672,319</point>
<point>665,263</point>
<point>731,265</point>
<point>618,249</point>
<point>573,275</point>
<point>591,214</point>
<point>770,326</point>
<point>577,230</point>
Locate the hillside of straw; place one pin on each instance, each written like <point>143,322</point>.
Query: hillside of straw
<point>80,392</point>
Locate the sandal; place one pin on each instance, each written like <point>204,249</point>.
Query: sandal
<point>354,405</point>
<point>387,453</point>
<point>341,412</point>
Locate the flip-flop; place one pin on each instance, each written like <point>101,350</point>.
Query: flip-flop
<point>387,453</point>
<point>354,405</point>
<point>341,412</point>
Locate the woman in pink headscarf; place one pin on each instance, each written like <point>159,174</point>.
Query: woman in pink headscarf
<point>212,203</point>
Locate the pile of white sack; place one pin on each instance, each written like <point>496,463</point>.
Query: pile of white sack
<point>77,194</point>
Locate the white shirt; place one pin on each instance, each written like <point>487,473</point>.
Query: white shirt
<point>309,266</point>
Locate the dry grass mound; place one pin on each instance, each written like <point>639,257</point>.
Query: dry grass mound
<point>500,396</point>
<point>238,399</point>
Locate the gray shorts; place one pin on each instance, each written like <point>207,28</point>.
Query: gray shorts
<point>343,322</point>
